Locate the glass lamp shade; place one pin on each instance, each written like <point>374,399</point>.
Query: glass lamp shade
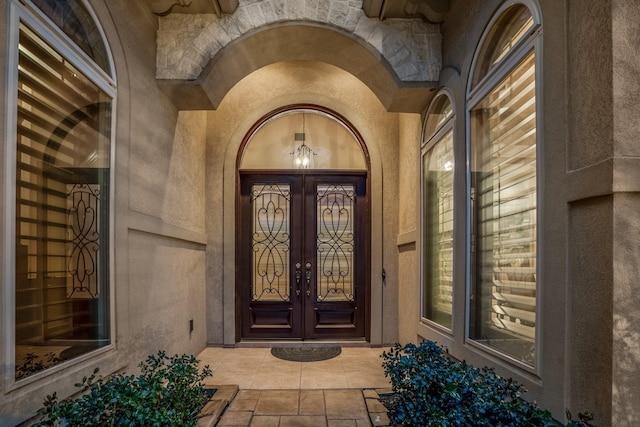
<point>303,157</point>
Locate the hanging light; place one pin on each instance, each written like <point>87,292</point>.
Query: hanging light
<point>303,155</point>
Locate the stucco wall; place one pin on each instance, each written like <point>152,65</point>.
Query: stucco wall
<point>626,222</point>
<point>626,316</point>
<point>165,239</point>
<point>603,163</point>
<point>160,173</point>
<point>589,221</point>
<point>159,240</point>
<point>160,243</point>
<point>408,212</point>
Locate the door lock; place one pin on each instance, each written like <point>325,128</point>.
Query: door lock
<point>298,277</point>
<point>308,276</point>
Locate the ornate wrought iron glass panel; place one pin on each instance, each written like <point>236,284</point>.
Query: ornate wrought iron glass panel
<point>270,241</point>
<point>83,243</point>
<point>335,242</point>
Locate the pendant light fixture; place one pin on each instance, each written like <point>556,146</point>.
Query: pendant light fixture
<point>303,155</point>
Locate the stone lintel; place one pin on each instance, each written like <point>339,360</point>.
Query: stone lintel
<point>186,44</point>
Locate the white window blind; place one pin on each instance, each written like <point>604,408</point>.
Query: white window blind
<point>62,185</point>
<point>504,187</point>
<point>438,220</point>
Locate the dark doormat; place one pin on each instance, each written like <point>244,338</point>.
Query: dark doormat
<point>305,354</point>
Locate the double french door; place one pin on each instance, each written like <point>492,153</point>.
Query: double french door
<point>302,246</point>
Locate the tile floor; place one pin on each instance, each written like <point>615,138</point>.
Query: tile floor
<point>279,393</point>
<point>257,369</point>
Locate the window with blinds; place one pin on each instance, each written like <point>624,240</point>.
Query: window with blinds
<point>62,209</point>
<point>504,209</point>
<point>438,246</point>
<point>437,211</point>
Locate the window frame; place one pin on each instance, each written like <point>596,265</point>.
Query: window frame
<point>25,12</point>
<point>426,145</point>
<point>477,91</point>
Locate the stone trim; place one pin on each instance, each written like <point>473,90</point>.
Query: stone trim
<point>378,414</point>
<point>245,408</point>
<point>213,409</point>
<point>186,43</point>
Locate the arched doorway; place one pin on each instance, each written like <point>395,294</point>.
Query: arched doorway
<point>303,228</point>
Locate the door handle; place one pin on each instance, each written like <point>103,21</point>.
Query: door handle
<point>298,277</point>
<point>308,276</point>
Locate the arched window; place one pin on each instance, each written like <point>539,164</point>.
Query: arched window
<point>504,186</point>
<point>303,137</point>
<point>59,139</point>
<point>437,213</point>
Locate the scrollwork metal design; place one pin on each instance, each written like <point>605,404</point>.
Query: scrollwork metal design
<point>84,239</point>
<point>270,242</point>
<point>335,242</point>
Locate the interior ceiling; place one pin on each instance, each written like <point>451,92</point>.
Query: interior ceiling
<point>431,10</point>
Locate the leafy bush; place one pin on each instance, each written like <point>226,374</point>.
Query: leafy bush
<point>168,392</point>
<point>432,389</point>
<point>583,420</point>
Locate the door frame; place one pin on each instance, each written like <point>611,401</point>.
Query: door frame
<point>364,230</point>
<point>221,284</point>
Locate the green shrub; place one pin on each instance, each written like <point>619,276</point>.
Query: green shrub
<point>168,392</point>
<point>432,389</point>
<point>583,420</point>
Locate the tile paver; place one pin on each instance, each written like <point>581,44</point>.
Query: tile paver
<point>303,421</point>
<point>278,402</point>
<point>312,402</point>
<point>341,404</point>
<point>306,408</point>
<point>341,423</point>
<point>265,421</point>
<point>341,392</point>
<point>243,405</point>
<point>248,394</point>
<point>236,418</point>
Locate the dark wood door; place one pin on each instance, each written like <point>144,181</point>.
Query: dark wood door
<point>302,246</point>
